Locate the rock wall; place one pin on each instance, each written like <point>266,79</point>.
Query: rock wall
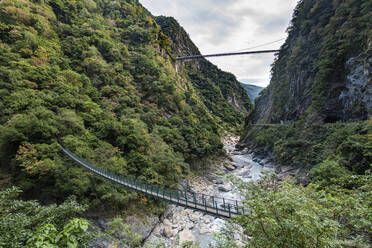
<point>323,71</point>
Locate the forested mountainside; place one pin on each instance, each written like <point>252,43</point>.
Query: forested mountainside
<point>220,91</point>
<point>320,91</point>
<point>323,70</point>
<point>98,77</point>
<point>319,106</point>
<point>253,91</point>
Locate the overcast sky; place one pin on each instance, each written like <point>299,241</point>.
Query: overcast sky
<point>218,26</point>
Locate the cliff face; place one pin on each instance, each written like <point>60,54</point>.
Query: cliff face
<point>219,90</point>
<point>323,71</point>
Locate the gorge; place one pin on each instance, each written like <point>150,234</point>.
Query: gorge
<point>101,78</point>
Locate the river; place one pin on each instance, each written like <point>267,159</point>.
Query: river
<point>179,224</point>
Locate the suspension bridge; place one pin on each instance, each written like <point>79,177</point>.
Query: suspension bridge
<point>221,207</point>
<point>225,54</point>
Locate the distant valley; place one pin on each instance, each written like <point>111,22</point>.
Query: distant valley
<point>252,90</point>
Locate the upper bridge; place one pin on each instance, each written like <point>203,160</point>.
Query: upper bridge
<point>218,206</point>
<point>225,54</point>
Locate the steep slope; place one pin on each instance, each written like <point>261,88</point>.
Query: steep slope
<point>219,90</point>
<point>253,91</point>
<point>323,71</point>
<point>321,90</point>
<point>98,77</point>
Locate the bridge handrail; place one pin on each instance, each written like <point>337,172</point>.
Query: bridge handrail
<point>225,54</point>
<point>191,199</point>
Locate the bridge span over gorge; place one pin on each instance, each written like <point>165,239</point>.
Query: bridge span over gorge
<point>221,207</point>
<point>225,54</point>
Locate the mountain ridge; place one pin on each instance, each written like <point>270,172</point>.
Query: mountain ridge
<point>253,91</point>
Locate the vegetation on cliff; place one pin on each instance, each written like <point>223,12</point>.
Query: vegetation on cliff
<point>311,76</point>
<point>323,105</point>
<point>308,77</point>
<point>220,91</point>
<point>97,76</point>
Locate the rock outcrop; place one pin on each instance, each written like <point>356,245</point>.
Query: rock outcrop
<point>323,71</point>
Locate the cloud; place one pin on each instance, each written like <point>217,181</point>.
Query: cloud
<point>230,25</point>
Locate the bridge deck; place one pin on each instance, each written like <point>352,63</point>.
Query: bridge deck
<point>217,207</point>
<point>225,54</point>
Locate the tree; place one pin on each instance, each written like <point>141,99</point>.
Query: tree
<point>283,214</point>
<point>28,222</point>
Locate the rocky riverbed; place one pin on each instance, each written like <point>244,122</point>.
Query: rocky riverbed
<point>179,225</point>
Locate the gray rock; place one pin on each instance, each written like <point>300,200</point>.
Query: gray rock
<point>190,225</point>
<point>219,181</point>
<point>211,177</point>
<point>244,174</point>
<point>183,185</point>
<point>142,226</point>
<point>166,222</point>
<point>229,166</point>
<point>168,232</point>
<point>225,188</point>
<point>238,165</point>
<point>100,243</point>
<point>194,217</point>
<point>285,169</point>
<point>269,165</point>
<point>264,161</point>
<point>186,235</point>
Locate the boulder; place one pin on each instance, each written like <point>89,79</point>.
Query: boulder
<point>142,226</point>
<point>244,174</point>
<point>168,232</point>
<point>176,219</point>
<point>204,230</point>
<point>166,222</point>
<point>219,181</point>
<point>264,161</point>
<point>229,166</point>
<point>285,169</point>
<point>194,217</point>
<point>186,235</point>
<point>190,225</point>
<point>238,165</point>
<point>225,188</point>
<point>269,165</point>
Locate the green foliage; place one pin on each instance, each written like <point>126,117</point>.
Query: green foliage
<point>74,234</point>
<point>282,214</point>
<point>27,222</point>
<point>95,76</point>
<point>125,234</point>
<point>327,170</point>
<point>345,144</point>
<point>226,236</point>
<point>221,93</point>
<point>189,244</point>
